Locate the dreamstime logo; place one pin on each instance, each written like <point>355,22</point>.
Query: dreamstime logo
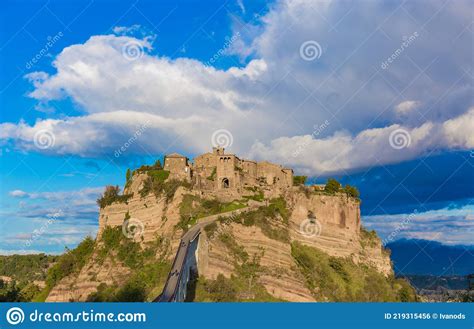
<point>15,316</point>
<point>131,140</point>
<point>400,227</point>
<point>51,41</point>
<point>407,41</point>
<point>133,228</point>
<point>222,138</point>
<point>399,139</point>
<point>310,50</point>
<point>316,132</point>
<point>222,51</point>
<point>44,139</point>
<point>37,233</point>
<point>310,228</point>
<point>132,50</point>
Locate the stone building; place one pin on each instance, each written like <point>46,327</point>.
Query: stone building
<point>178,166</point>
<point>221,170</point>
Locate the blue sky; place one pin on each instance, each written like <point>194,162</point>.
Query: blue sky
<point>378,95</point>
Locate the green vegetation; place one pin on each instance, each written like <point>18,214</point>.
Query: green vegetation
<point>158,183</point>
<point>332,186</point>
<point>72,261</point>
<point>368,238</point>
<point>259,196</point>
<point>351,191</point>
<point>149,267</point>
<point>159,175</point>
<point>111,195</point>
<point>26,267</point>
<point>156,166</point>
<point>18,292</point>
<point>213,175</point>
<point>272,219</point>
<point>236,250</point>
<point>144,284</point>
<point>299,180</point>
<point>211,229</point>
<point>193,207</point>
<point>128,175</point>
<point>241,286</point>
<point>128,178</point>
<point>341,280</point>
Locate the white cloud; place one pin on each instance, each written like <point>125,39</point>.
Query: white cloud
<point>18,194</point>
<point>406,107</point>
<point>276,93</point>
<point>449,226</point>
<point>342,151</point>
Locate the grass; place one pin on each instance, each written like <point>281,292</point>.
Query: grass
<point>258,196</point>
<point>149,267</point>
<point>272,219</point>
<point>211,229</point>
<point>159,175</point>
<point>158,183</point>
<point>339,279</point>
<point>193,207</point>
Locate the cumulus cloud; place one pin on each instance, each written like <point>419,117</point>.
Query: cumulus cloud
<point>276,93</point>
<point>449,226</point>
<point>406,106</point>
<point>18,194</point>
<point>378,146</point>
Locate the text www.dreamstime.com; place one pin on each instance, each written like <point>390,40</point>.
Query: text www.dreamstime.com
<point>16,316</point>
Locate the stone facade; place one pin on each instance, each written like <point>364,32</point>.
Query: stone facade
<point>220,170</point>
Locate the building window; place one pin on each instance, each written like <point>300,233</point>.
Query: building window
<point>225,183</point>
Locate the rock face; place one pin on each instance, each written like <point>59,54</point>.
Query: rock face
<point>337,229</point>
<point>329,223</point>
<point>280,278</point>
<point>337,233</point>
<point>78,288</point>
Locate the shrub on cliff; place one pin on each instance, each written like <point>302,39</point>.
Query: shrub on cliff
<point>340,279</point>
<point>299,180</point>
<point>332,186</point>
<point>72,261</point>
<point>111,195</point>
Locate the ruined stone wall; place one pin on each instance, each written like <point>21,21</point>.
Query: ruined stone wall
<point>273,173</point>
<point>288,177</point>
<point>249,172</point>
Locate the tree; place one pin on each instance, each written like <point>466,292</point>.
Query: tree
<point>352,191</point>
<point>332,186</point>
<point>110,195</point>
<point>128,175</point>
<point>158,165</point>
<point>299,180</point>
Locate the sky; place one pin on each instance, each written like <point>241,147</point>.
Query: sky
<point>376,94</point>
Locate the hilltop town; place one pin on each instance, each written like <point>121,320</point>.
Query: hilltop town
<point>263,235</point>
<point>220,171</point>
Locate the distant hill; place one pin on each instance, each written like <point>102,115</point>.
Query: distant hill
<point>26,267</point>
<point>423,257</point>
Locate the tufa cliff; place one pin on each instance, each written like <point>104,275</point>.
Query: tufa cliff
<point>269,238</point>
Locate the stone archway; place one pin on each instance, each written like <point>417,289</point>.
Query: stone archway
<point>225,182</point>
